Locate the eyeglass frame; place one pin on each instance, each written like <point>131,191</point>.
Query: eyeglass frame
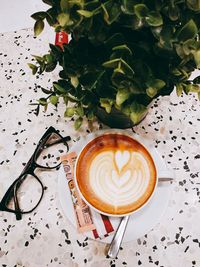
<point>29,169</point>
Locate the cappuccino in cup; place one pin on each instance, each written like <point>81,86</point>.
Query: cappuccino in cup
<point>115,174</point>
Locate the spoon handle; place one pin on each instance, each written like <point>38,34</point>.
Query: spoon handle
<point>165,179</point>
<point>117,239</point>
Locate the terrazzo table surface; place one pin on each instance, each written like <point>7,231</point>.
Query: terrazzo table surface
<point>45,237</point>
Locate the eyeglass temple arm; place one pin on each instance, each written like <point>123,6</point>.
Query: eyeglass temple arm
<point>17,208</point>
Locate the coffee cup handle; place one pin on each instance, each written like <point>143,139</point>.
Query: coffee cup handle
<point>165,175</point>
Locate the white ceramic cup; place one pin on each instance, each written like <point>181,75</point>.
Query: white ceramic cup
<point>159,174</point>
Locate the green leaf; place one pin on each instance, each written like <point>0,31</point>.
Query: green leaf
<point>193,88</point>
<point>59,88</point>
<point>159,84</point>
<point>138,111</point>
<point>50,67</point>
<point>54,100</point>
<point>123,48</point>
<point>189,46</point>
<point>33,68</point>
<point>176,72</point>
<point>59,28</point>
<point>74,81</point>
<point>39,59</point>
<point>185,74</point>
<point>85,13</point>
<point>47,92</point>
<point>107,104</point>
<point>196,80</point>
<point>119,71</point>
<point>65,99</point>
<point>42,68</point>
<point>56,51</point>
<point>39,15</point>
<point>179,89</point>
<point>49,58</point>
<point>127,68</point>
<point>111,11</point>
<point>196,55</point>
<point>188,31</point>
<point>63,19</point>
<point>52,21</point>
<point>63,75</point>
<point>78,122</point>
<point>105,13</point>
<point>38,27</point>
<point>48,2</point>
<point>156,83</point>
<point>42,101</point>
<point>122,95</point>
<point>69,112</point>
<point>154,19</point>
<point>80,111</point>
<point>111,63</point>
<point>141,10</point>
<point>151,91</point>
<point>193,5</point>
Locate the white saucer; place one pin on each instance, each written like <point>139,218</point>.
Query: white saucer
<point>141,222</point>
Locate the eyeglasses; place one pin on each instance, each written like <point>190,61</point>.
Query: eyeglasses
<point>26,192</point>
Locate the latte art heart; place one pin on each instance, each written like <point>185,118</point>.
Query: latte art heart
<point>119,183</point>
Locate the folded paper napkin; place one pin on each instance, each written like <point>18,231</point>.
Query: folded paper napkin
<point>104,225</point>
<point>97,226</point>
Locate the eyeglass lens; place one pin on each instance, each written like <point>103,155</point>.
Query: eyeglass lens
<point>28,193</point>
<point>48,155</point>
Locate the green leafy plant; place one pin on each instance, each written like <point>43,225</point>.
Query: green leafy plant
<point>122,54</point>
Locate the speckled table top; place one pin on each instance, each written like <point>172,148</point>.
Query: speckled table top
<point>45,237</point>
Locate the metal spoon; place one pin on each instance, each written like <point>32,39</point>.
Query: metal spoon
<point>118,237</point>
<point>119,234</point>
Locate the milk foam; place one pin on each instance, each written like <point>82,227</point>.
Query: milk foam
<point>119,178</point>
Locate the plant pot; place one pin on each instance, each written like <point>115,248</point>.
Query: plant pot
<point>115,119</point>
